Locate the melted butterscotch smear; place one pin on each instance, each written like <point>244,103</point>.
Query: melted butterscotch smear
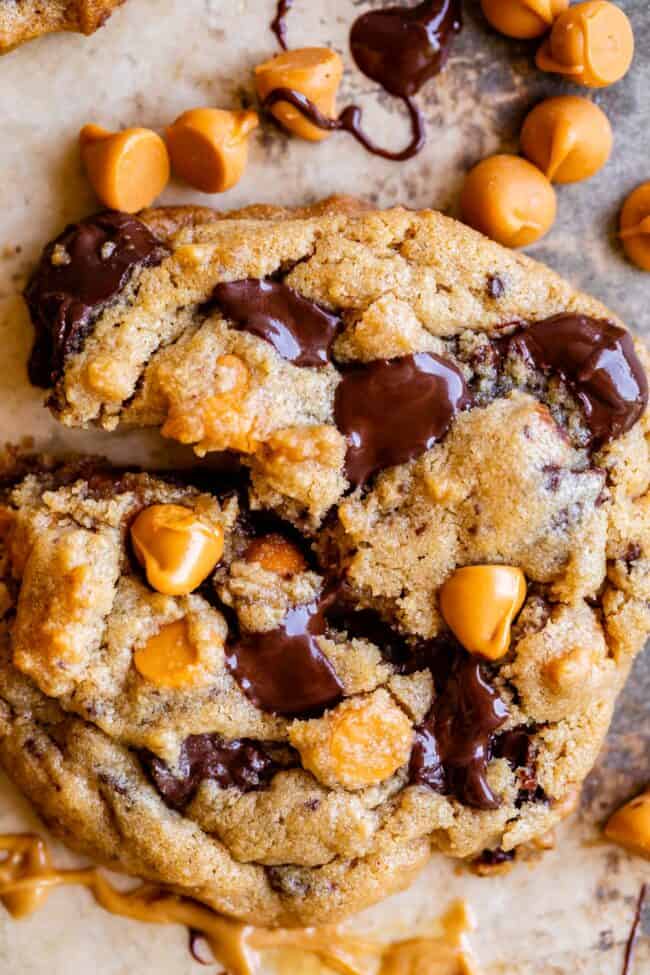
<point>27,877</point>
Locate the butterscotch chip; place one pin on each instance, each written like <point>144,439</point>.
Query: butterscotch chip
<point>479,604</point>
<point>359,743</point>
<point>209,147</point>
<point>127,170</point>
<point>315,72</point>
<point>634,225</point>
<point>630,825</point>
<point>523,18</point>
<point>509,200</point>
<point>275,554</point>
<point>568,138</point>
<point>169,658</point>
<point>177,549</point>
<point>591,43</point>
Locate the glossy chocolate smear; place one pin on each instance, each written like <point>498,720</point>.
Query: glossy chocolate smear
<point>239,763</point>
<point>403,47</point>
<point>597,360</point>
<point>299,330</point>
<point>79,273</point>
<point>393,410</point>
<point>284,670</point>
<point>453,744</point>
<point>519,750</point>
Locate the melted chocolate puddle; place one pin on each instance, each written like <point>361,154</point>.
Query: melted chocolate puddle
<point>298,329</point>
<point>598,362</point>
<point>401,48</point>
<point>393,410</point>
<point>284,670</point>
<point>240,763</point>
<point>78,274</point>
<point>453,744</point>
<point>279,22</point>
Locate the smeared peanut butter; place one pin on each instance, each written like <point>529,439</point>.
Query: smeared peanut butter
<point>27,877</point>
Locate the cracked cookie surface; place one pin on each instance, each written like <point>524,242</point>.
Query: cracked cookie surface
<point>22,20</point>
<point>400,419</point>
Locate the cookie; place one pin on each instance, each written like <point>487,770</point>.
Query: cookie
<point>22,20</point>
<point>401,627</point>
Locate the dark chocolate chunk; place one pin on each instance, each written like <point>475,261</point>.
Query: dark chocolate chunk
<point>453,744</point>
<point>78,275</point>
<point>598,362</point>
<point>393,410</point>
<point>239,763</point>
<point>298,329</point>
<point>403,47</point>
<point>284,670</point>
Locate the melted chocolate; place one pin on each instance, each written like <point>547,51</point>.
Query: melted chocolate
<point>453,744</point>
<point>350,121</point>
<point>403,47</point>
<point>240,763</point>
<point>79,273</point>
<point>598,362</point>
<point>279,22</point>
<point>518,749</point>
<point>494,858</point>
<point>393,410</point>
<point>630,946</point>
<point>284,670</point>
<point>299,330</point>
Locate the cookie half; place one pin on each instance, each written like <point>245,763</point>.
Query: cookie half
<point>22,20</point>
<point>434,566</point>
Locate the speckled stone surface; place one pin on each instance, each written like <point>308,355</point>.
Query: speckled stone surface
<point>571,912</point>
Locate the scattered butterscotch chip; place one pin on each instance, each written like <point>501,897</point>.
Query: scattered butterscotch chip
<point>568,138</point>
<point>509,200</point>
<point>358,743</point>
<point>168,658</point>
<point>630,825</point>
<point>591,43</point>
<point>177,549</point>
<point>635,226</point>
<point>315,72</point>
<point>522,18</point>
<point>276,554</point>
<point>209,147</point>
<point>127,170</point>
<point>479,604</point>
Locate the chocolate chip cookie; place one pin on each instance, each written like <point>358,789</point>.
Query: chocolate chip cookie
<point>22,20</point>
<point>399,627</point>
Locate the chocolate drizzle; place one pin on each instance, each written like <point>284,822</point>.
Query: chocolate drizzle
<point>393,410</point>
<point>284,670</point>
<point>598,362</point>
<point>279,22</point>
<point>79,273</point>
<point>298,329</point>
<point>453,744</point>
<point>402,48</point>
<point>350,121</point>
<point>240,764</point>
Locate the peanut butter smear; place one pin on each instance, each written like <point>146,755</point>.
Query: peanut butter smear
<point>27,877</point>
